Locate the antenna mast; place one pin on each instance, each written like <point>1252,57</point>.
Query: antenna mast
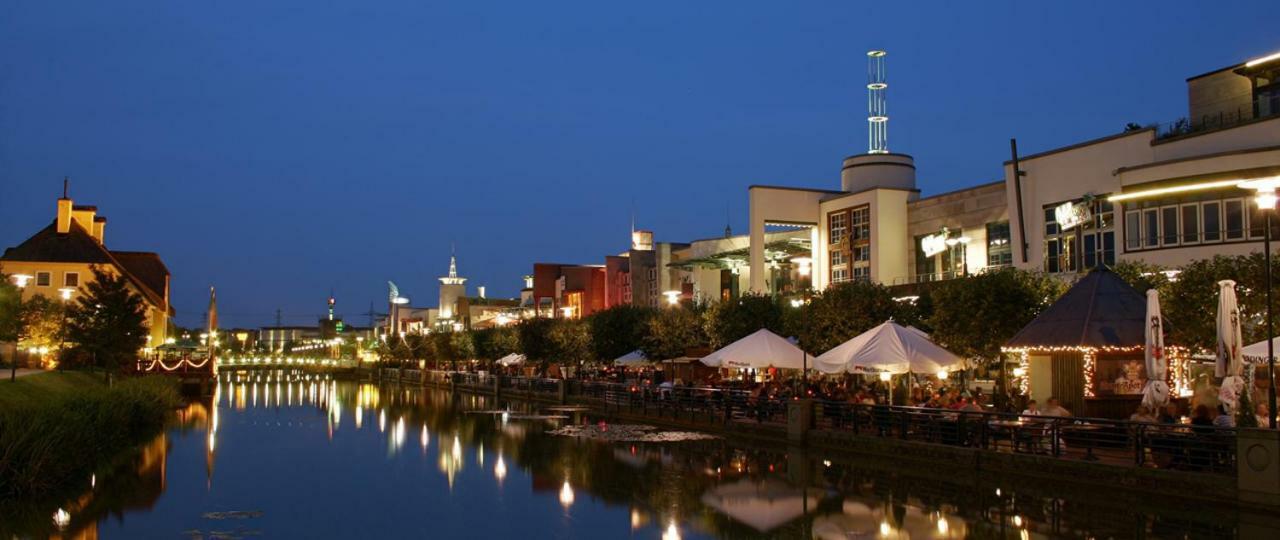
<point>877,112</point>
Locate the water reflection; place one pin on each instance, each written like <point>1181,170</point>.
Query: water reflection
<point>287,451</point>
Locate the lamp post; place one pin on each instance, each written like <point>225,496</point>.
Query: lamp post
<point>20,280</point>
<point>1265,197</point>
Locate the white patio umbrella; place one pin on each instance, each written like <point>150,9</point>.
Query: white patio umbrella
<point>762,349</point>
<point>890,348</point>
<point>764,505</point>
<point>632,359</point>
<point>511,359</point>
<point>1230,362</point>
<point>1156,392</point>
<point>1258,351</point>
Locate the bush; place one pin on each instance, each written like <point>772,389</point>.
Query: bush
<point>57,443</point>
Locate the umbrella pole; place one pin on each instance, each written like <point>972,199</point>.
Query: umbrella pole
<point>1271,354</point>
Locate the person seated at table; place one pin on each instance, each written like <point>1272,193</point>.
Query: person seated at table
<point>1225,418</point>
<point>1143,415</point>
<point>974,405</point>
<point>1201,417</point>
<point>1169,414</point>
<point>1053,407</point>
<point>1033,408</point>
<point>1262,415</point>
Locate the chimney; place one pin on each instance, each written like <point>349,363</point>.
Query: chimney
<point>64,215</point>
<point>481,291</point>
<point>99,228</point>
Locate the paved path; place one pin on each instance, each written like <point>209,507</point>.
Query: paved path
<point>22,372</point>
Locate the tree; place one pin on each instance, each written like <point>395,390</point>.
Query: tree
<point>618,330</point>
<point>43,322</point>
<point>571,339</point>
<point>535,340</point>
<point>672,331</point>
<point>975,315</point>
<point>1142,276</point>
<point>727,322</point>
<point>843,311</point>
<point>10,316</point>
<point>1190,307</point>
<point>108,322</point>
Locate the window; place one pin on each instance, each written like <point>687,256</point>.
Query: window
<point>839,275</point>
<point>1151,228</point>
<point>862,273</point>
<point>1235,218</point>
<point>1132,230</point>
<point>999,246</point>
<point>71,279</point>
<point>1089,243</point>
<point>1212,221</point>
<point>862,253</point>
<point>1190,224</point>
<point>839,226</point>
<point>1169,226</point>
<point>837,258</point>
<point>43,279</point>
<point>861,219</point>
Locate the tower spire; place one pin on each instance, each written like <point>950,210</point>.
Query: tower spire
<point>877,111</point>
<point>66,181</point>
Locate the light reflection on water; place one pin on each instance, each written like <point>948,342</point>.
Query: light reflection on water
<point>293,457</point>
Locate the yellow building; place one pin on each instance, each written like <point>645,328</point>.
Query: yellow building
<point>57,262</point>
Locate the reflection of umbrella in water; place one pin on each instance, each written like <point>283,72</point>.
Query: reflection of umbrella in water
<point>763,506</point>
<point>858,520</point>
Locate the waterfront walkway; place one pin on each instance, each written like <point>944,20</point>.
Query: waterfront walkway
<point>1200,461</point>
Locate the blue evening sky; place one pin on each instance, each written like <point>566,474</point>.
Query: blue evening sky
<point>280,149</point>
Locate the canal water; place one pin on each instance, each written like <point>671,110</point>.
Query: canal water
<point>301,456</point>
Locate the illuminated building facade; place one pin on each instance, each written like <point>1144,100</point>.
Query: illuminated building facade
<point>57,263</point>
<point>1165,195</point>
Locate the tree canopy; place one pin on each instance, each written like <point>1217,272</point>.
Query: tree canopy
<point>108,321</point>
<point>974,315</point>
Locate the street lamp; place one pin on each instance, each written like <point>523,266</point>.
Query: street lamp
<point>673,297</point>
<point>21,281</point>
<point>1265,196</point>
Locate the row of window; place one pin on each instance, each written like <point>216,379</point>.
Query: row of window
<point>69,279</point>
<point>1194,223</point>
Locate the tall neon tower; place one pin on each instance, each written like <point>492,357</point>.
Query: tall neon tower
<point>877,111</point>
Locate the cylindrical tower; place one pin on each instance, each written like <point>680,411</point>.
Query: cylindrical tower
<point>877,109</point>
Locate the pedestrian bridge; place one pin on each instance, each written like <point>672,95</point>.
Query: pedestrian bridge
<point>285,361</point>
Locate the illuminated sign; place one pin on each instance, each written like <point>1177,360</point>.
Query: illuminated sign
<point>1069,215</point>
<point>934,244</point>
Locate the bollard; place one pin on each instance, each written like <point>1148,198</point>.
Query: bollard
<point>562,391</point>
<point>799,420</point>
<point>1258,466</point>
<point>497,386</point>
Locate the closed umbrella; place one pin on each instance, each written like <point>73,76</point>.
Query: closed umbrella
<point>1156,392</point>
<point>1230,362</point>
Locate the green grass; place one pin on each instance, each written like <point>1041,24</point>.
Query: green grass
<point>43,388</point>
<point>56,427</point>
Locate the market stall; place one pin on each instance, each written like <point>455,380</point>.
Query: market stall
<point>1087,349</point>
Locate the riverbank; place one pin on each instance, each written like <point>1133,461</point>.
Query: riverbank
<point>57,427</point>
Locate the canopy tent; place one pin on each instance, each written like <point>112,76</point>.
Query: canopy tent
<point>634,358</point>
<point>890,348</point>
<point>511,360</point>
<point>762,349</point>
<point>764,505</point>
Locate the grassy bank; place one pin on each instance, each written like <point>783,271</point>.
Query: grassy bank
<point>56,427</point>
<point>45,388</point>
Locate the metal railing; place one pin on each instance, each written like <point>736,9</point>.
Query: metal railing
<point>697,404</point>
<point>1121,442</point>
